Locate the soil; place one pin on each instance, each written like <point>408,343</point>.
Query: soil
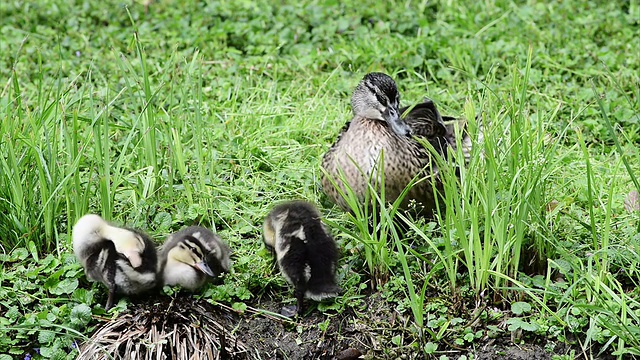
<point>349,335</point>
<point>259,333</point>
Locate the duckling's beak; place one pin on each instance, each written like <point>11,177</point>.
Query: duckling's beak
<point>134,258</point>
<point>202,266</point>
<point>397,125</point>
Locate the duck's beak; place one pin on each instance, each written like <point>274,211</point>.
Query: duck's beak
<point>202,266</point>
<point>397,125</point>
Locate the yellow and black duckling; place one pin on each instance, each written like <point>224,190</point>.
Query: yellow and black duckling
<point>193,256</point>
<point>377,125</point>
<point>306,253</point>
<point>124,260</point>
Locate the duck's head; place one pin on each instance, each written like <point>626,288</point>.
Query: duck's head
<point>189,251</point>
<point>92,228</point>
<point>376,97</point>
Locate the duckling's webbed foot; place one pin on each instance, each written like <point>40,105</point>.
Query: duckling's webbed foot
<point>289,311</point>
<point>298,309</point>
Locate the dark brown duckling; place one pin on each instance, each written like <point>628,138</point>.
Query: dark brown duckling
<point>305,251</point>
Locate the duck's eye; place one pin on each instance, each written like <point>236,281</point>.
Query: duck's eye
<point>382,99</point>
<point>380,96</point>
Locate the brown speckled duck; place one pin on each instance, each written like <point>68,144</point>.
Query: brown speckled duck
<point>377,125</point>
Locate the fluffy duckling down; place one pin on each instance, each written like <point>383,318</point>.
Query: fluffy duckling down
<point>306,253</point>
<point>125,260</point>
<point>193,256</point>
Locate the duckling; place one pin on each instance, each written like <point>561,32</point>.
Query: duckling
<point>377,126</point>
<point>124,260</point>
<point>425,121</point>
<point>192,256</point>
<point>306,253</point>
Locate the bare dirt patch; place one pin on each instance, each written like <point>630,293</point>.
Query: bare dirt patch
<point>258,334</point>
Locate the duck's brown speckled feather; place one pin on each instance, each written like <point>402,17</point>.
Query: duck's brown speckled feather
<point>360,143</point>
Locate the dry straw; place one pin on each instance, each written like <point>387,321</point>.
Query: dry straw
<point>180,328</point>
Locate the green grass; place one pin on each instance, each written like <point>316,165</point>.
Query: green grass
<point>209,113</point>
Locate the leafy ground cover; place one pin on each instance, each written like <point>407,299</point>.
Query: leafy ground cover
<point>209,112</point>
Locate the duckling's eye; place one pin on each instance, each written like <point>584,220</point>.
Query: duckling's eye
<point>192,247</point>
